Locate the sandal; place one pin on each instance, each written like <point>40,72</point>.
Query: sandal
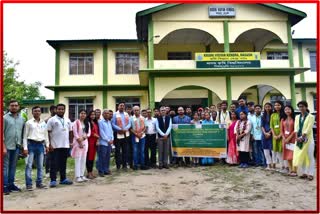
<point>304,176</point>
<point>310,177</point>
<point>293,174</point>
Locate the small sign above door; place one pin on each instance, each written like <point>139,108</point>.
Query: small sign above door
<point>222,11</point>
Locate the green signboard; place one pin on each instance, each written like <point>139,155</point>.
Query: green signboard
<point>228,60</point>
<point>228,64</point>
<point>199,141</point>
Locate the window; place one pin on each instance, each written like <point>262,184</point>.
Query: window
<point>274,98</point>
<point>129,101</point>
<point>277,55</point>
<point>44,110</point>
<point>127,63</point>
<point>81,63</point>
<point>313,61</point>
<point>179,56</point>
<point>76,104</point>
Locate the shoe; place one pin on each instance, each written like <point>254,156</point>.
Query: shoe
<point>6,191</point>
<point>267,168</point>
<point>79,180</point>
<point>245,165</point>
<point>84,178</point>
<point>53,184</point>
<point>160,167</point>
<point>108,173</point>
<point>135,168</point>
<point>101,174</point>
<point>41,186</point>
<point>29,188</point>
<point>144,168</point>
<point>14,188</point>
<point>66,182</point>
<point>166,167</point>
<point>241,165</point>
<point>90,177</point>
<point>284,171</point>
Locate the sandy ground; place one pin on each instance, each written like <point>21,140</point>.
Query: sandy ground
<point>219,187</point>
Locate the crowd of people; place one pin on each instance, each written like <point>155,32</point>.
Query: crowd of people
<point>256,136</point>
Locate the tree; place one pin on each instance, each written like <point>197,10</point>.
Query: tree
<point>15,89</point>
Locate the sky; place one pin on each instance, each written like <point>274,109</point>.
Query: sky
<point>28,26</point>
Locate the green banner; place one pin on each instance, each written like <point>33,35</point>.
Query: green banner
<point>228,64</point>
<point>199,141</point>
<point>227,56</point>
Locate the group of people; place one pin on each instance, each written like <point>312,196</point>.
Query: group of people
<point>256,136</point>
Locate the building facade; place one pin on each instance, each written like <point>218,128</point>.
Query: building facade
<point>164,65</point>
<point>43,104</point>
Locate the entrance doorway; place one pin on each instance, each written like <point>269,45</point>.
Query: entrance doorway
<point>175,103</point>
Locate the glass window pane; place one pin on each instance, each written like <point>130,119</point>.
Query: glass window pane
<point>80,101</point>
<point>72,112</point>
<point>127,67</point>
<point>119,66</point>
<point>89,65</point>
<point>80,66</point>
<point>73,66</point>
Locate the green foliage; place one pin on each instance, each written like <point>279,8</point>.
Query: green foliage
<point>14,88</point>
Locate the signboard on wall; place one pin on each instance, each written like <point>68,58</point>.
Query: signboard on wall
<point>222,11</point>
<point>228,60</point>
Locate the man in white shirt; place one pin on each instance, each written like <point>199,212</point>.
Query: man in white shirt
<point>60,130</point>
<point>251,113</point>
<point>223,116</point>
<point>35,141</point>
<point>151,145</point>
<point>163,126</point>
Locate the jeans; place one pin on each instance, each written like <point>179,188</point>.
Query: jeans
<point>258,153</point>
<point>104,158</point>
<point>138,152</point>
<point>152,146</point>
<point>59,163</point>
<point>36,152</point>
<point>9,167</point>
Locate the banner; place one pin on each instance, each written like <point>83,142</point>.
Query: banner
<point>228,60</point>
<point>228,56</point>
<point>199,140</point>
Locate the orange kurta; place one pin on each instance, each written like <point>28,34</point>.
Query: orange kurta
<point>287,128</point>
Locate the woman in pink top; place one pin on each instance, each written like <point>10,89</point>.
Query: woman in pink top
<point>232,155</point>
<point>81,131</point>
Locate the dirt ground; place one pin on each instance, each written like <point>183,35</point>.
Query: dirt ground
<point>218,187</point>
